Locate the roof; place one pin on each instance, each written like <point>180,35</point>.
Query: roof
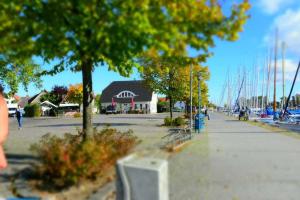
<point>162,99</point>
<point>36,98</point>
<point>138,88</point>
<point>49,104</point>
<point>68,105</point>
<point>23,101</point>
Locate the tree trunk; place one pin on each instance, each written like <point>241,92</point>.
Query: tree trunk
<point>171,107</point>
<point>87,81</point>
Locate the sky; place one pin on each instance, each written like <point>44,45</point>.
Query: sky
<point>248,53</point>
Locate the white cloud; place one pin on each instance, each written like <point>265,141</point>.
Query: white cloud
<point>288,25</point>
<point>289,70</point>
<point>273,6</point>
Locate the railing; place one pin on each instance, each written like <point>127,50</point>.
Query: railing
<point>176,137</point>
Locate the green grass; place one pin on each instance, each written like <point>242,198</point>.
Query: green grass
<point>271,128</point>
<point>275,129</point>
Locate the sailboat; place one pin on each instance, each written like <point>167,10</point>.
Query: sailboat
<point>275,114</point>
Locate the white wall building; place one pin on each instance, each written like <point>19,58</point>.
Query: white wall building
<point>11,106</point>
<point>124,96</point>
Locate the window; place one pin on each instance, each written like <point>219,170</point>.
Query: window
<point>126,94</point>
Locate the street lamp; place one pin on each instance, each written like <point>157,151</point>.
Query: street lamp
<point>191,97</point>
<point>199,92</point>
<point>199,100</point>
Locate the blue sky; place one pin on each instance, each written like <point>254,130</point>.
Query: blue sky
<point>252,47</point>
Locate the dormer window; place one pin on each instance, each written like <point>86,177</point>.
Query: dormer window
<point>125,94</point>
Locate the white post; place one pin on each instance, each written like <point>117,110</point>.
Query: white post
<point>191,98</point>
<point>142,178</point>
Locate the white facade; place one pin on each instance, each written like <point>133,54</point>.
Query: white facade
<point>12,107</point>
<point>153,103</point>
<point>128,96</point>
<point>146,106</point>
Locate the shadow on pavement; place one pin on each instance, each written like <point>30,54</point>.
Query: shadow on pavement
<point>20,159</point>
<point>233,120</point>
<point>17,164</point>
<point>241,132</point>
<point>80,124</point>
<point>149,118</point>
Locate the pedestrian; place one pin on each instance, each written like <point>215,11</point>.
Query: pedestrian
<point>206,114</point>
<point>19,115</point>
<point>3,128</point>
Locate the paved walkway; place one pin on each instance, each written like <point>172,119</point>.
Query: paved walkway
<point>236,161</point>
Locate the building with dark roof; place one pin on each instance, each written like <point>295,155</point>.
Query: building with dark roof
<point>124,96</point>
<point>37,98</point>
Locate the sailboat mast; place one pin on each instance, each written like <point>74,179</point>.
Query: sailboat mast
<point>263,84</point>
<point>257,83</point>
<point>228,92</point>
<point>269,77</point>
<point>275,70</point>
<point>283,71</point>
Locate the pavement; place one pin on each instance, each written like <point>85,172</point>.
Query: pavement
<point>231,160</point>
<point>239,161</point>
<point>147,127</point>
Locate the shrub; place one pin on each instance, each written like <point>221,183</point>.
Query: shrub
<point>68,160</point>
<point>163,106</point>
<point>32,110</point>
<point>53,113</point>
<point>179,121</point>
<point>133,112</point>
<point>77,115</point>
<point>168,121</point>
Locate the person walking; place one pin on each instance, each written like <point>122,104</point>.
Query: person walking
<point>19,115</point>
<point>206,114</point>
<point>3,128</point>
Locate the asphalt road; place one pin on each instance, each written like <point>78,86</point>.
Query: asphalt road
<point>146,127</point>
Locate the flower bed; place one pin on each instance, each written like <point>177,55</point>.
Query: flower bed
<point>68,160</point>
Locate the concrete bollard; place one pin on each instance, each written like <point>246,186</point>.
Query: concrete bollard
<point>140,178</point>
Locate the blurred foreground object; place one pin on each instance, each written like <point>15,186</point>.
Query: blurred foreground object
<point>142,178</point>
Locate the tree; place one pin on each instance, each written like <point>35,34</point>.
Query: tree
<point>75,94</point>
<point>60,91</point>
<point>163,78</point>
<point>56,96</point>
<point>98,102</point>
<point>166,77</point>
<point>14,74</point>
<point>185,74</point>
<point>82,35</point>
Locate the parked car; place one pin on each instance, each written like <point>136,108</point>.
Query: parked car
<point>110,110</point>
<point>12,112</point>
<point>176,109</point>
<point>12,107</point>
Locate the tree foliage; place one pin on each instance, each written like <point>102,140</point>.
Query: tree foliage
<point>82,35</point>
<point>16,73</point>
<point>174,81</point>
<point>164,78</point>
<point>185,74</point>
<point>56,95</point>
<point>75,94</point>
